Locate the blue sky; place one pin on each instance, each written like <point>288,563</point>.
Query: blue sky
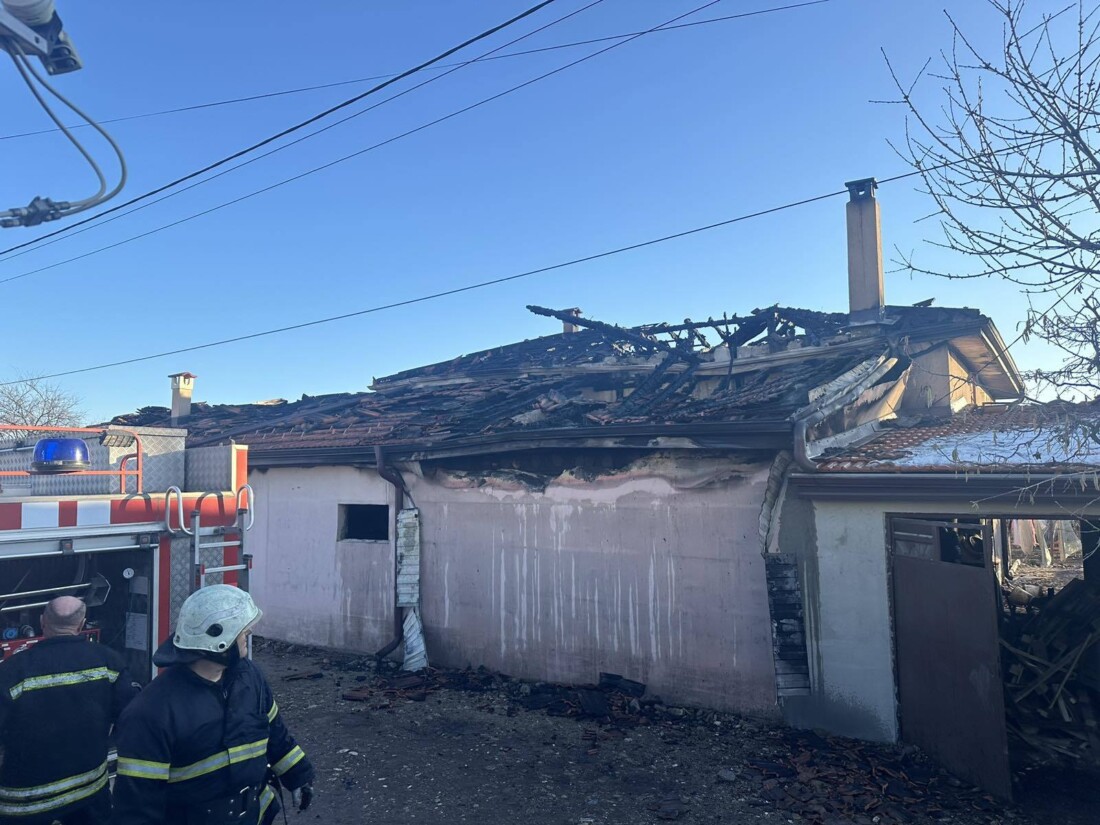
<point>668,132</point>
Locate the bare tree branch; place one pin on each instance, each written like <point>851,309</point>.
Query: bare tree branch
<point>1010,156</point>
<point>34,402</point>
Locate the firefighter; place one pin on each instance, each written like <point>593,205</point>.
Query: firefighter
<point>57,703</point>
<point>202,742</point>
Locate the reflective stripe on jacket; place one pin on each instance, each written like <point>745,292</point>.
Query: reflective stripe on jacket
<point>58,700</point>
<point>187,742</point>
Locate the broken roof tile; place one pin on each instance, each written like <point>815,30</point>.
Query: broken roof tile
<point>579,381</point>
<point>1055,437</point>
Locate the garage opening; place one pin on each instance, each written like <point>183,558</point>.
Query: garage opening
<point>997,644</point>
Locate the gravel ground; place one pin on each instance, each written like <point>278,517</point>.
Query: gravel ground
<point>481,754</point>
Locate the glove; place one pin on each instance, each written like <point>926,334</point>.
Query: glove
<point>302,797</point>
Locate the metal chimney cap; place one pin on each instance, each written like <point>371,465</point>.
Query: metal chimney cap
<point>862,189</point>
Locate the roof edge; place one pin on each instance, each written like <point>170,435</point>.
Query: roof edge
<point>995,491</point>
<point>738,435</point>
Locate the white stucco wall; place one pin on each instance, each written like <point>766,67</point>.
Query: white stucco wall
<point>312,588</point>
<point>850,634</point>
<point>655,573</point>
<point>848,607</point>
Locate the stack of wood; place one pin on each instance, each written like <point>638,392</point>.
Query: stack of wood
<point>1052,691</point>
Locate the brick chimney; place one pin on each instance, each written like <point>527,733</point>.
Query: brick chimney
<point>866,297</point>
<point>567,327</point>
<point>183,384</point>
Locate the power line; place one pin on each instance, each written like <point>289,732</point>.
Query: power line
<point>344,158</point>
<point>301,125</point>
<point>476,286</point>
<point>32,214</point>
<point>435,295</point>
<point>281,147</point>
<point>72,230</point>
<point>358,80</point>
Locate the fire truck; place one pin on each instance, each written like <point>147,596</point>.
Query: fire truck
<point>130,520</point>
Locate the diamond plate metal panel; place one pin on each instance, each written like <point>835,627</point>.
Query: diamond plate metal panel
<point>164,466</point>
<point>209,468</point>
<point>180,584</point>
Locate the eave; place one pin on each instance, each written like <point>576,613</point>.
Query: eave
<point>724,435</point>
<point>1004,491</point>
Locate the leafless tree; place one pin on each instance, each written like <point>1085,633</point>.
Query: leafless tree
<point>39,403</point>
<point>1010,154</point>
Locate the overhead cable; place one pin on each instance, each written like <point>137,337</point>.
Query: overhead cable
<point>42,243</point>
<point>355,81</point>
<point>435,295</point>
<point>43,209</point>
<point>344,158</point>
<point>289,130</point>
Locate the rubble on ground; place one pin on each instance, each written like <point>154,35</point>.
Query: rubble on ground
<point>1052,694</point>
<point>767,771</point>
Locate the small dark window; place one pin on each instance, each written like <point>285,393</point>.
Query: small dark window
<point>366,522</point>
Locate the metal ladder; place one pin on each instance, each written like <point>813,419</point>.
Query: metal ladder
<point>245,518</point>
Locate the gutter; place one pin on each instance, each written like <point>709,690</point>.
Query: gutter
<point>999,493</point>
<point>1004,358</point>
<point>832,405</point>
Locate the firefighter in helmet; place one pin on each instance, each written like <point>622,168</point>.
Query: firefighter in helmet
<point>57,702</point>
<point>204,743</point>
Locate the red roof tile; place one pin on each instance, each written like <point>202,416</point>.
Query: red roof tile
<point>1024,438</point>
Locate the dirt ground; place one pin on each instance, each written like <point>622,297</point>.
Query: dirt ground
<point>486,749</point>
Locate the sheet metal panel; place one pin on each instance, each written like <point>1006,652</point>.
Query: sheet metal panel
<point>950,686</point>
<point>408,558</point>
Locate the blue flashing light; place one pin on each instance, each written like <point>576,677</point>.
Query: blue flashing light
<point>60,455</point>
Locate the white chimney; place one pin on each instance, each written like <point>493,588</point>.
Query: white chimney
<point>183,384</point>
<point>866,296</point>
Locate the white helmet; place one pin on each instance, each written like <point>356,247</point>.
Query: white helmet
<point>213,617</point>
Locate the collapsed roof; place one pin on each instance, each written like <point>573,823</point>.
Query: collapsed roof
<point>747,374</point>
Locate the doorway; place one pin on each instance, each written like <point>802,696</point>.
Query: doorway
<point>997,643</point>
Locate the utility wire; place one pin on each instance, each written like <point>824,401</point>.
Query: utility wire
<point>476,286</point>
<point>473,287</point>
<point>15,54</point>
<point>123,171</point>
<point>355,81</point>
<point>307,136</point>
<point>72,230</point>
<point>348,157</point>
<point>435,295</point>
<point>41,208</point>
<point>301,125</point>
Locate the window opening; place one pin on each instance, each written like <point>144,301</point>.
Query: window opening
<point>364,522</point>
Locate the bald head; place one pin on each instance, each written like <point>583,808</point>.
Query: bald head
<point>63,616</point>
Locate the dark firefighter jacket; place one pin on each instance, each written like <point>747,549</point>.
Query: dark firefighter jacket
<point>186,742</point>
<point>57,702</point>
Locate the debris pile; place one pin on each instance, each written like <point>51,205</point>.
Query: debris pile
<point>1052,694</point>
<point>614,700</point>
<point>826,780</point>
<point>623,733</point>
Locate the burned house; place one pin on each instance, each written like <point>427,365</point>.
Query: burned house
<point>936,612</point>
<point>600,499</point>
<point>712,508</point>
